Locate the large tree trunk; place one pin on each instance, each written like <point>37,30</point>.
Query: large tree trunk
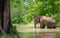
<point>5,19</point>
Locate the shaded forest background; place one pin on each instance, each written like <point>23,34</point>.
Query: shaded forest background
<point>24,11</point>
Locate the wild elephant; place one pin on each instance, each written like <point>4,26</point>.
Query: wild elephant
<point>45,21</point>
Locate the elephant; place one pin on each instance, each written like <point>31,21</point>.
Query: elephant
<point>45,21</point>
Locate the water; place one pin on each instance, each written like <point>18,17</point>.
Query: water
<point>39,35</point>
<point>26,34</point>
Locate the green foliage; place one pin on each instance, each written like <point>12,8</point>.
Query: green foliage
<point>25,12</point>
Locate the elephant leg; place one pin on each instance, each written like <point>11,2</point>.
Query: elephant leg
<point>55,27</point>
<point>42,25</point>
<point>35,24</point>
<point>51,27</point>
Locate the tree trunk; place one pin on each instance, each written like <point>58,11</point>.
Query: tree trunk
<point>5,19</point>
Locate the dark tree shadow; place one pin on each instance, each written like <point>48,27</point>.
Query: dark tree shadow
<point>12,33</point>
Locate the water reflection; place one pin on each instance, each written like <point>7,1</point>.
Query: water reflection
<point>40,34</point>
<point>45,34</point>
<point>26,34</point>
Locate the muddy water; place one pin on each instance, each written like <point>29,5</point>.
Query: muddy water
<point>27,32</point>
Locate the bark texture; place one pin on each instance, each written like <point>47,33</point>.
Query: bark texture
<point>5,19</point>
